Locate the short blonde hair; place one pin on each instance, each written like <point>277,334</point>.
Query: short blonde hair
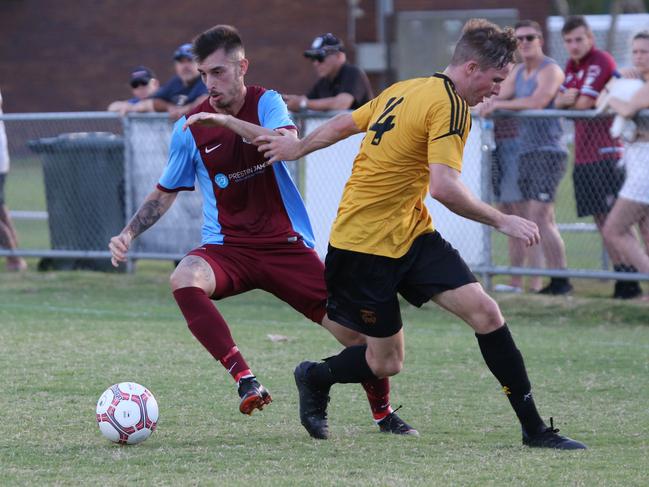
<point>486,43</point>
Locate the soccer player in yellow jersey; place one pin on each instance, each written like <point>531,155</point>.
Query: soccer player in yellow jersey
<point>383,242</point>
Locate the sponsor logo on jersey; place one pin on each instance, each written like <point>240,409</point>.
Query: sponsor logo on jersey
<point>249,172</point>
<point>221,180</point>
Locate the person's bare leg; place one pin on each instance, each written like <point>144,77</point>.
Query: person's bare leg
<point>9,240</point>
<point>553,247</point>
<point>516,247</point>
<point>618,232</point>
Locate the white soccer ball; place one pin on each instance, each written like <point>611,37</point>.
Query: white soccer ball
<point>127,413</point>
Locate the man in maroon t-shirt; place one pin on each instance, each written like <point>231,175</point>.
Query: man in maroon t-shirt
<point>596,177</point>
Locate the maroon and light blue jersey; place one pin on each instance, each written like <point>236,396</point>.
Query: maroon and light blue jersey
<point>246,200</point>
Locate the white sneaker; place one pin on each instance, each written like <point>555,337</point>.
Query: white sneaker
<point>506,288</point>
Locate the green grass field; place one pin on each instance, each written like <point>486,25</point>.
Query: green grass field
<point>65,337</point>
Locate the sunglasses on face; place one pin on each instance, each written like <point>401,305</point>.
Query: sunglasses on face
<point>138,83</point>
<point>321,56</point>
<point>318,57</point>
<point>528,38</point>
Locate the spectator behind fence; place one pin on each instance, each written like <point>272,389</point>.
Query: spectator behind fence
<point>180,94</point>
<point>8,239</point>
<point>596,176</point>
<point>541,159</point>
<point>632,206</point>
<point>340,85</point>
<point>143,84</point>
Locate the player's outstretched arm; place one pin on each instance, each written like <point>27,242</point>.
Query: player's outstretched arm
<point>247,130</point>
<point>447,188</point>
<point>154,206</point>
<point>280,148</point>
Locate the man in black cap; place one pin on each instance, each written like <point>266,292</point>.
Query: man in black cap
<point>181,93</point>
<point>340,86</point>
<point>143,84</point>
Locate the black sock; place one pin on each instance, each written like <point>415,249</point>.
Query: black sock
<point>506,363</point>
<point>349,366</point>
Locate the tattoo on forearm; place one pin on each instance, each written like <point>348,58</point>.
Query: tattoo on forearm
<point>149,213</point>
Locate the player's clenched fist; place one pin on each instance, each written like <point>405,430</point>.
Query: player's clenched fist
<point>119,246</point>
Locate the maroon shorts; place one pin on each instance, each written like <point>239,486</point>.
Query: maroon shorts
<point>292,272</point>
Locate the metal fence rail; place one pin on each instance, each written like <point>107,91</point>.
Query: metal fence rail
<point>69,193</point>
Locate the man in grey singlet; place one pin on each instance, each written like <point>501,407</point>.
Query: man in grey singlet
<point>533,84</point>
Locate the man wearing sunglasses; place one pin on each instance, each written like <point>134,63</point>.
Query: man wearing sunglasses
<point>180,94</point>
<point>143,84</point>
<point>541,160</point>
<point>340,85</point>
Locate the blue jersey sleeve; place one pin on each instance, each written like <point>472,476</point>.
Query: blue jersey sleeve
<point>273,112</point>
<point>180,172</point>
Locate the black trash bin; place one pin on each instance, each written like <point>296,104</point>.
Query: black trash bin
<point>84,188</point>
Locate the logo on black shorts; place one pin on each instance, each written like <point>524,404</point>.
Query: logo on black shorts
<point>368,317</point>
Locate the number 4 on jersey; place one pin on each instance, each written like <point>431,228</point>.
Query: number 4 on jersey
<point>384,123</point>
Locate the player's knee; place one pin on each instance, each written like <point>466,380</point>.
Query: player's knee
<point>178,279</point>
<point>386,366</point>
<point>609,233</point>
<point>191,272</point>
<point>487,316</point>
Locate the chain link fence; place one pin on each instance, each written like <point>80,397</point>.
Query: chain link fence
<point>76,178</point>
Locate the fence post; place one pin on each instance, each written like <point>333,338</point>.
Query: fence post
<point>487,146</point>
<point>128,182</point>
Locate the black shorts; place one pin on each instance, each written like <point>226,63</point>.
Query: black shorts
<point>362,288</point>
<point>596,186</point>
<point>2,189</point>
<point>540,174</point>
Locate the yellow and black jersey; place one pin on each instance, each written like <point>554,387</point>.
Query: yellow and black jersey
<point>410,125</point>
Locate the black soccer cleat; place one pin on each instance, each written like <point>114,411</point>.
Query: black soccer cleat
<point>549,438</point>
<point>557,287</point>
<point>394,424</point>
<point>253,395</point>
<point>313,403</point>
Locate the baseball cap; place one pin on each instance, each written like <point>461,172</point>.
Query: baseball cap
<point>323,45</point>
<point>184,51</point>
<point>140,75</point>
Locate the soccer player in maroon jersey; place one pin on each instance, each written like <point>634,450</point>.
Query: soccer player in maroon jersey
<point>256,232</point>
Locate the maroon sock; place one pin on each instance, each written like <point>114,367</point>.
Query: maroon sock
<point>378,395</point>
<point>208,326</point>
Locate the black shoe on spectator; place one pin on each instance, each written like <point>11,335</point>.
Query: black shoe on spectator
<point>558,286</point>
<point>627,290</point>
